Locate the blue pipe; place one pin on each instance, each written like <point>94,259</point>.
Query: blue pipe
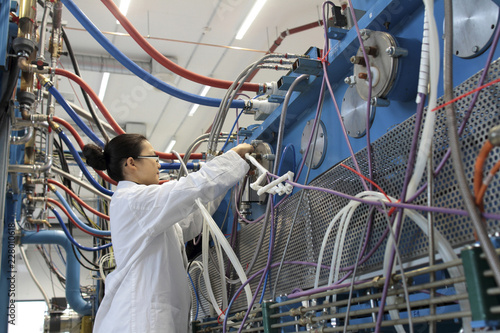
<point>60,99</point>
<point>73,295</point>
<point>134,68</point>
<point>72,240</point>
<point>171,166</point>
<point>82,166</point>
<point>77,220</point>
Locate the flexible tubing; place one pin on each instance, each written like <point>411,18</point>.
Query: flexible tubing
<point>456,154</point>
<point>76,68</point>
<point>100,105</point>
<point>369,97</point>
<point>281,128</point>
<point>486,183</point>
<point>196,296</point>
<point>60,99</point>
<point>444,249</point>
<point>423,73</point>
<point>478,167</point>
<point>72,240</point>
<point>80,143</point>
<point>426,137</point>
<point>164,61</point>
<point>77,220</point>
<point>227,248</point>
<point>28,266</point>
<point>134,68</point>
<point>428,131</point>
<point>80,163</point>
<point>114,125</point>
<point>65,211</point>
<point>206,273</point>
<point>83,184</point>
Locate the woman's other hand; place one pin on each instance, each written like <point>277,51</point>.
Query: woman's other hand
<point>243,148</point>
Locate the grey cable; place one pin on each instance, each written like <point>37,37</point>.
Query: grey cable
<point>295,214</point>
<point>351,289</point>
<point>181,161</point>
<point>456,155</point>
<point>398,257</point>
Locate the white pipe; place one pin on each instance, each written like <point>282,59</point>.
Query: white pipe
<point>28,266</point>
<point>428,131</point>
<point>227,248</point>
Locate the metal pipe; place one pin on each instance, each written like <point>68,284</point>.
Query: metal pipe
<point>82,113</point>
<point>416,288</point>
<point>27,17</point>
<point>43,27</point>
<point>20,140</point>
<point>58,237</point>
<point>81,183</point>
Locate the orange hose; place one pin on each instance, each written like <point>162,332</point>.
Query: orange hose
<point>478,168</point>
<point>484,186</point>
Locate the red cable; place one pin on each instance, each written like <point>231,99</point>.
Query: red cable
<point>79,140</point>
<point>283,35</point>
<point>466,94</point>
<point>93,95</point>
<point>368,180</point>
<point>108,116</point>
<point>160,58</point>
<point>58,204</point>
<point>80,201</point>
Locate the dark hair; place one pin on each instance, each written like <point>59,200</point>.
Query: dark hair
<point>115,151</point>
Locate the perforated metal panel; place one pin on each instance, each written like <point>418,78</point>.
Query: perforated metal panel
<point>390,153</point>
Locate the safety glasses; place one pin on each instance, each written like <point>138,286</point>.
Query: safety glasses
<point>151,156</point>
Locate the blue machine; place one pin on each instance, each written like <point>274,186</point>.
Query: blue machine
<point>332,226</point>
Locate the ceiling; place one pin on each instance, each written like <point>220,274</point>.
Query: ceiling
<point>199,36</point>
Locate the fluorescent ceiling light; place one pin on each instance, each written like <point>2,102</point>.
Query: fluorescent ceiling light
<point>124,4</point>
<point>250,18</point>
<point>104,85</point>
<point>195,107</point>
<point>171,145</point>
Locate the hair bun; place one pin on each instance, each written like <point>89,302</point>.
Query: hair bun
<point>94,156</point>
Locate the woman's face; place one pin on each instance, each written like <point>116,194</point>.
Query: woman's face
<point>148,166</point>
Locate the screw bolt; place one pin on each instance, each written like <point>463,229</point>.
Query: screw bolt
<point>475,49</point>
<point>363,76</point>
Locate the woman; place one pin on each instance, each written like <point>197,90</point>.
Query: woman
<point>148,291</point>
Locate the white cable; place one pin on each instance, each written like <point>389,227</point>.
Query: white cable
<point>28,266</point>
<point>428,131</point>
<point>108,256</point>
<point>206,275</point>
<point>274,187</point>
<point>423,77</point>
<point>210,223</point>
<point>220,260</point>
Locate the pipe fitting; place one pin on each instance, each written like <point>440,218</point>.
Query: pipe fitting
<point>494,135</point>
<point>38,222</point>
<point>20,140</point>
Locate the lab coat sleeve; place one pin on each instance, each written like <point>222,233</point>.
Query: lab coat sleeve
<point>161,206</point>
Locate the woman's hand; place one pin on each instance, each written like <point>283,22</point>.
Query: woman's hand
<point>243,148</point>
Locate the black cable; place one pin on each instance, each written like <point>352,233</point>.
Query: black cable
<point>11,83</point>
<point>85,95</point>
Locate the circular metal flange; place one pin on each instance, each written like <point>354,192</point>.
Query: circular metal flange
<point>319,147</point>
<point>383,66</point>
<point>474,24</point>
<point>353,113</point>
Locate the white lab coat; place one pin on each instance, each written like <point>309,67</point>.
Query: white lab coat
<point>148,291</point>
